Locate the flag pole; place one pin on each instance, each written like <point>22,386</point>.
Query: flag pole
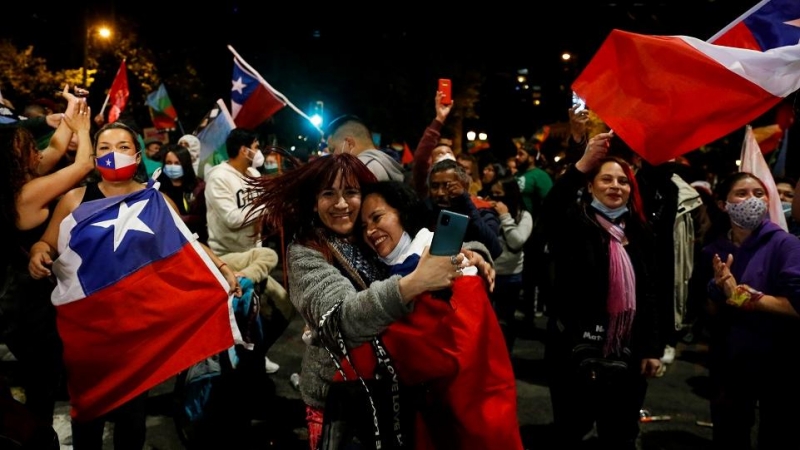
<point>736,22</point>
<point>272,89</point>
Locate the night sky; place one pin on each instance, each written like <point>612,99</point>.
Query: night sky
<point>380,62</point>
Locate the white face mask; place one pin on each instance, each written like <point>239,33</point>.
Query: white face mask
<point>747,214</point>
<point>258,159</point>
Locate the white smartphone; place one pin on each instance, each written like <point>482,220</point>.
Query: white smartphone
<point>579,102</point>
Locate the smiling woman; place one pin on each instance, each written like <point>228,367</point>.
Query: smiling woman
<point>605,307</point>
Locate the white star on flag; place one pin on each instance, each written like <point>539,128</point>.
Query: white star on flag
<point>238,86</point>
<point>127,220</point>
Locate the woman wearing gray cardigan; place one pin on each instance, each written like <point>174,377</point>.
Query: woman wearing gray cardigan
<point>329,267</point>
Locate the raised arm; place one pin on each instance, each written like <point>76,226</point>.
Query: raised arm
<point>36,195</point>
<point>60,139</point>
<point>429,140</point>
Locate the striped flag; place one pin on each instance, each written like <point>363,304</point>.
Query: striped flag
<point>668,95</point>
<point>212,137</point>
<point>162,112</point>
<point>138,300</point>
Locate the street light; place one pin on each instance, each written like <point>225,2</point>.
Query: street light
<point>102,31</point>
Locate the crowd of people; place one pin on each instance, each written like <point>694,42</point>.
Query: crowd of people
<point>624,258</point>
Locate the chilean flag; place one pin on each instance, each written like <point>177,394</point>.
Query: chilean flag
<point>137,300</point>
<point>252,100</point>
<point>668,95</point>
<point>769,24</point>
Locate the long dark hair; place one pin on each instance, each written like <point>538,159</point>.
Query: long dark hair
<point>513,196</point>
<point>189,178</point>
<point>635,205</point>
<point>403,198</point>
<point>288,200</point>
<point>16,145</point>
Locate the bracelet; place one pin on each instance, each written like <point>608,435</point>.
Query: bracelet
<point>745,297</point>
<point>222,265</point>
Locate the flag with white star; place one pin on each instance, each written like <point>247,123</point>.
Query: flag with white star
<point>665,96</point>
<point>138,300</point>
<point>252,100</point>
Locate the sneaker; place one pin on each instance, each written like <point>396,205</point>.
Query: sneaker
<point>669,355</point>
<point>270,366</point>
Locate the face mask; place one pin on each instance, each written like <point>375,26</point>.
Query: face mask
<point>747,214</point>
<point>444,156</point>
<point>258,159</point>
<point>271,168</point>
<point>611,213</point>
<point>117,166</point>
<point>787,208</point>
<point>173,171</point>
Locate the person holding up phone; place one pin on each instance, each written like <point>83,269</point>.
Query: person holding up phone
<point>431,147</point>
<point>604,306</point>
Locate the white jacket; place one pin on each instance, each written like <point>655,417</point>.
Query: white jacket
<point>228,200</point>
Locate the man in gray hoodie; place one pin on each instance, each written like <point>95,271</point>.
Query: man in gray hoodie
<point>349,134</point>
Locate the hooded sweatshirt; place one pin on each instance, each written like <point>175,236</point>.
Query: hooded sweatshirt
<point>382,165</point>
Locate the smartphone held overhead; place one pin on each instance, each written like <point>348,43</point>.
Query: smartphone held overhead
<point>579,102</point>
<point>445,87</point>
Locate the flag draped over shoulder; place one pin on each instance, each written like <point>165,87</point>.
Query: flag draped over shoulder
<point>753,161</point>
<point>137,300</point>
<point>213,136</point>
<point>253,100</point>
<point>118,94</point>
<point>668,95</point>
<point>162,113</point>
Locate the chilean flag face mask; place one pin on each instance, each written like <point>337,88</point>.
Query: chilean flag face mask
<point>117,166</point>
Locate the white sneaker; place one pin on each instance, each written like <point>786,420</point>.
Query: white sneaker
<point>669,355</point>
<point>270,366</point>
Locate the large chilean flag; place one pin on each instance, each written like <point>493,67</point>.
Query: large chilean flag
<point>668,95</point>
<point>137,300</point>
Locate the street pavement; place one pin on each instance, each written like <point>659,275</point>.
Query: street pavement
<point>279,423</point>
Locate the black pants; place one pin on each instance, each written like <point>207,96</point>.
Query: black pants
<point>579,403</point>
<point>504,300</point>
<point>129,427</point>
<point>28,328</point>
<point>750,384</point>
<point>535,270</point>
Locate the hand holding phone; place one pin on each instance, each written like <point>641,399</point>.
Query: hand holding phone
<point>578,103</point>
<point>449,234</point>
<point>446,89</point>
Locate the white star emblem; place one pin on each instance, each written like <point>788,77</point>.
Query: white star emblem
<point>127,220</point>
<point>238,86</point>
<point>108,162</point>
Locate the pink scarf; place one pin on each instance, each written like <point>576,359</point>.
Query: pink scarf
<point>621,302</point>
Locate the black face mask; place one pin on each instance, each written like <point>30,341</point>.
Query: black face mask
<point>499,198</point>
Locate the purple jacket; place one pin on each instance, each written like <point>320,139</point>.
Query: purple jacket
<point>769,261</point>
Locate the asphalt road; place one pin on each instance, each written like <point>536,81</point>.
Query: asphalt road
<point>278,420</point>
